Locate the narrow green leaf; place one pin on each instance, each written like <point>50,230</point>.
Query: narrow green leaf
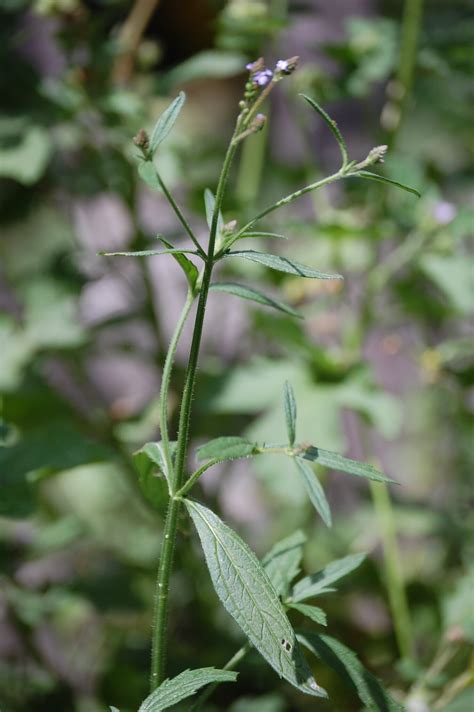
<point>282,264</point>
<point>382,179</point>
<point>247,594</point>
<point>282,563</point>
<point>262,234</point>
<point>210,204</point>
<point>147,172</point>
<point>290,412</point>
<point>332,125</point>
<point>152,476</point>
<point>346,664</point>
<point>314,613</point>
<point>166,122</point>
<point>319,582</point>
<point>344,464</point>
<point>170,692</point>
<point>253,295</point>
<point>147,253</point>
<point>226,448</point>
<point>314,490</point>
<point>189,268</point>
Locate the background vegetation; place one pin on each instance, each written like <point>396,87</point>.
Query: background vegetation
<point>382,367</point>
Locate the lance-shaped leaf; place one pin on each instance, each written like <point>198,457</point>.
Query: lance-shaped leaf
<point>344,464</point>
<point>262,234</point>
<point>148,253</point>
<point>314,613</point>
<point>188,267</point>
<point>151,468</point>
<point>282,563</point>
<point>320,582</point>
<point>247,594</point>
<point>226,448</point>
<point>147,172</point>
<point>253,295</point>
<point>348,667</point>
<point>282,264</point>
<point>382,179</point>
<point>314,490</point>
<point>166,122</point>
<point>210,204</point>
<point>290,412</point>
<point>332,125</point>
<point>170,692</point>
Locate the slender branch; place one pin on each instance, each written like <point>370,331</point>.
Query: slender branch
<point>230,665</point>
<point>394,570</point>
<point>130,35</point>
<point>165,384</point>
<point>196,475</point>
<point>179,214</point>
<point>289,199</point>
<point>171,525</point>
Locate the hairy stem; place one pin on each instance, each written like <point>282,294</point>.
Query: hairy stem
<point>171,525</point>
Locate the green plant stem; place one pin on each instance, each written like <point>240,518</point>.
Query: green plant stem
<point>179,214</point>
<point>395,584</point>
<point>230,665</point>
<point>290,198</point>
<point>411,24</point>
<point>165,384</point>
<point>171,524</point>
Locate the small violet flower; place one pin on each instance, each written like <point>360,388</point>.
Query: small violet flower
<point>262,78</point>
<point>282,65</point>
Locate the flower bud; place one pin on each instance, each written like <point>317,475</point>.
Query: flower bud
<point>286,66</point>
<point>141,140</point>
<point>376,155</point>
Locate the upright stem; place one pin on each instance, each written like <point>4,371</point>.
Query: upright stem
<point>171,524</point>
<point>395,585</point>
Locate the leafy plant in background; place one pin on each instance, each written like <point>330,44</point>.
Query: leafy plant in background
<point>260,596</point>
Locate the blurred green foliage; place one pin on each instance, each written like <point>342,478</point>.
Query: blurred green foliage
<point>384,365</point>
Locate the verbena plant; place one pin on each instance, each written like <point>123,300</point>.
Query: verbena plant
<point>259,595</point>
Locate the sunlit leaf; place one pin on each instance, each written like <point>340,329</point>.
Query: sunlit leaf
<point>314,613</point>
<point>282,563</point>
<point>343,464</point>
<point>247,594</point>
<point>226,448</point>
<point>314,490</point>
<point>346,664</point>
<point>282,264</point>
<point>253,295</point>
<point>170,692</point>
<point>290,412</point>
<point>166,122</point>
<point>319,583</point>
<point>332,126</point>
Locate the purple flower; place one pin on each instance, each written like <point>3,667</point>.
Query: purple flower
<point>282,65</point>
<point>261,79</point>
<point>444,212</point>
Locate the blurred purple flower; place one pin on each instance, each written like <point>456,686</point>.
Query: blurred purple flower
<point>282,65</point>
<point>444,212</point>
<point>262,78</point>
